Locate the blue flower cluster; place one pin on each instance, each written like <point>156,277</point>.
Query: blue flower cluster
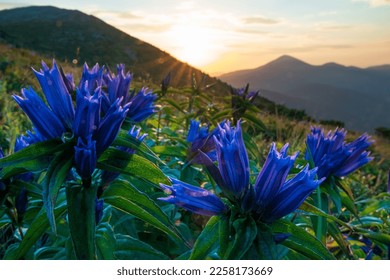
<point>97,117</point>
<point>201,139</point>
<point>333,156</point>
<point>271,197</point>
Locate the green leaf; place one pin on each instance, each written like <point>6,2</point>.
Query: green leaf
<point>349,204</point>
<point>224,232</point>
<point>23,167</point>
<point>301,241</point>
<point>105,241</point>
<point>207,240</point>
<point>55,176</point>
<point>33,189</point>
<point>115,160</point>
<point>335,232</point>
<point>377,205</point>
<point>376,236</point>
<point>81,216</point>
<point>345,187</point>
<point>33,151</point>
<point>245,234</point>
<point>175,105</point>
<point>129,248</point>
<point>307,207</point>
<point>37,228</point>
<point>266,247</point>
<point>127,198</point>
<point>50,253</point>
<point>255,120</point>
<point>173,151</point>
<point>127,141</point>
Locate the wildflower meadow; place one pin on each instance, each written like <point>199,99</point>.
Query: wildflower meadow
<point>106,168</point>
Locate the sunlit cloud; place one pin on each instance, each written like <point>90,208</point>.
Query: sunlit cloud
<point>259,20</point>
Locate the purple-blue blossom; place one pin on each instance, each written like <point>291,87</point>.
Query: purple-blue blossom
<point>201,139</point>
<point>141,104</point>
<point>333,156</point>
<point>273,194</point>
<point>192,198</point>
<point>94,129</point>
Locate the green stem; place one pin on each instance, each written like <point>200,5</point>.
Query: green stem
<point>321,223</point>
<point>81,215</point>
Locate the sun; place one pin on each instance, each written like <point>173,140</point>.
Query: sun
<point>194,44</point>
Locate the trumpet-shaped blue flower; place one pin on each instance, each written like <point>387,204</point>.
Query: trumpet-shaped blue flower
<point>94,129</point>
<point>201,140</point>
<point>271,197</point>
<point>91,78</point>
<point>45,122</point>
<point>141,105</point>
<point>276,196</point>
<point>118,86</point>
<point>333,156</point>
<point>193,198</point>
<point>110,125</point>
<point>233,162</point>
<point>55,89</point>
<point>85,158</point>
<point>87,117</point>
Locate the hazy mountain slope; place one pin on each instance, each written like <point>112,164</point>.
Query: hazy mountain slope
<point>358,97</point>
<point>70,34</point>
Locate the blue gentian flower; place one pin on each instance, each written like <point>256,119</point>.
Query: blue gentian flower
<point>276,196</point>
<point>21,143</point>
<point>201,140</point>
<point>91,78</point>
<point>141,105</point>
<point>233,162</point>
<point>271,197</point>
<point>333,156</point>
<point>56,92</point>
<point>241,98</point>
<point>93,128</point>
<point>85,158</point>
<point>87,117</point>
<point>193,198</point>
<point>135,133</point>
<point>45,121</point>
<point>118,86</point>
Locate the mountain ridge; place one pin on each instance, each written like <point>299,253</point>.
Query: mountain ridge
<point>75,36</point>
<point>359,97</point>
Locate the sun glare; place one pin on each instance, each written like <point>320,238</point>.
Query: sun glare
<point>194,44</point>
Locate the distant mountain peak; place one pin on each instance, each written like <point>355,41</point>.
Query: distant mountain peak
<point>286,61</point>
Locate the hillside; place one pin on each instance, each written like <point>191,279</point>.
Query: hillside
<point>358,97</point>
<point>72,36</point>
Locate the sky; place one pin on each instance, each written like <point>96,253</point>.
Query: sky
<point>221,36</point>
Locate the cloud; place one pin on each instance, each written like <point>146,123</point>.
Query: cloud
<point>259,20</point>
<point>375,3</point>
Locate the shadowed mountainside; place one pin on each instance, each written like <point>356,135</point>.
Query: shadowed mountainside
<point>74,36</point>
<point>358,97</point>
